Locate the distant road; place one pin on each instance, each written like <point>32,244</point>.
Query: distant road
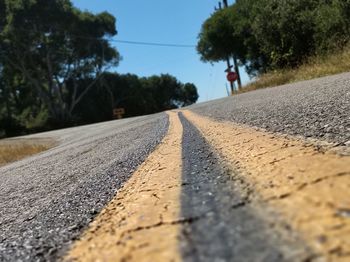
<point>222,189</point>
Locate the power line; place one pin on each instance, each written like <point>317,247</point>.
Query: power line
<point>151,44</point>
<point>135,42</point>
<point>127,41</point>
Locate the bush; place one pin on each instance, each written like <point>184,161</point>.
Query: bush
<point>275,34</point>
<point>331,26</point>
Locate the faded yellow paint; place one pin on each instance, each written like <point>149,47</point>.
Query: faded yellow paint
<point>309,188</point>
<point>143,222</point>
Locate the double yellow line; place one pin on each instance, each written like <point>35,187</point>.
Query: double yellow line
<point>140,223</point>
<point>309,189</point>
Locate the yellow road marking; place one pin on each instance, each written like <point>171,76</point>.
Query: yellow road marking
<point>310,189</point>
<point>143,222</point>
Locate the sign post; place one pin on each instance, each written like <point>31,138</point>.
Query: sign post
<point>232,77</point>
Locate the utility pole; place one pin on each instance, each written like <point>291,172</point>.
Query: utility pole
<point>229,66</point>
<point>234,58</point>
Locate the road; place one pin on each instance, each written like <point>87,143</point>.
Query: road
<point>262,176</point>
<point>317,109</point>
<point>47,199</point>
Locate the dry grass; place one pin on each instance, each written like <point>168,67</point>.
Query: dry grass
<point>15,149</point>
<point>315,67</point>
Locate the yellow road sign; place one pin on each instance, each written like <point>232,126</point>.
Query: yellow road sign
<point>118,113</point>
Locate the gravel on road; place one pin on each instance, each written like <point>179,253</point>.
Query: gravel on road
<point>318,108</point>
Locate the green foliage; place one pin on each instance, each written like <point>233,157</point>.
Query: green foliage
<point>285,30</point>
<point>138,96</point>
<point>217,38</point>
<point>55,63</point>
<point>52,46</point>
<point>34,119</point>
<point>166,91</point>
<point>189,94</point>
<point>332,25</point>
<point>275,34</point>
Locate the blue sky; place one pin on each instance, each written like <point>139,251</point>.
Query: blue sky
<point>164,21</point>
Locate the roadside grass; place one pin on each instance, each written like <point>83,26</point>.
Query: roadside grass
<point>315,67</point>
<point>16,149</point>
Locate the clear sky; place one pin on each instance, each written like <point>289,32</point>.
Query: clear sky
<point>164,21</point>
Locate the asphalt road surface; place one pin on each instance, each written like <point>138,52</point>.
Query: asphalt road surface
<point>318,108</point>
<point>46,201</point>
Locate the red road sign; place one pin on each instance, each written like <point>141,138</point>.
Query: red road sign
<point>232,76</point>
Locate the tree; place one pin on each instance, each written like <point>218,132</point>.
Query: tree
<point>285,31</point>
<point>216,39</point>
<point>332,25</point>
<point>55,52</point>
<point>273,34</point>
<point>228,33</point>
<point>56,70</point>
<point>189,94</point>
<point>166,91</point>
<point>138,96</point>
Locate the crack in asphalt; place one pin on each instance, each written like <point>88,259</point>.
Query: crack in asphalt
<point>237,226</point>
<point>161,223</point>
<point>305,185</point>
